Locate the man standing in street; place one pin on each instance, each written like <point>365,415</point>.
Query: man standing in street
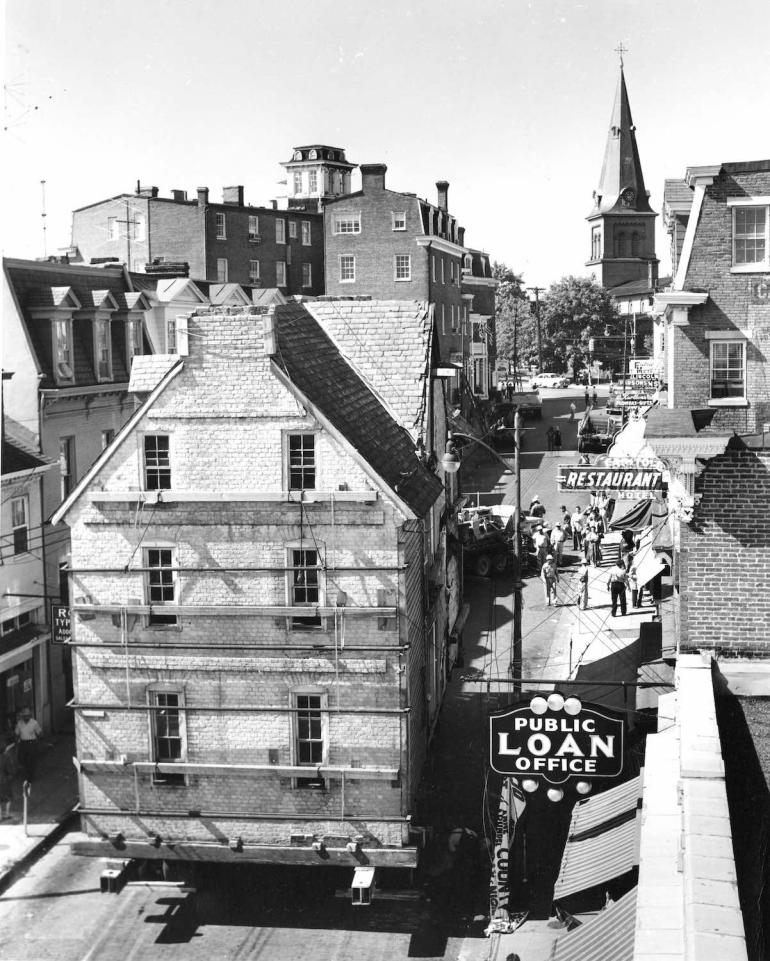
<point>616,585</point>
<point>27,733</point>
<point>557,543</point>
<point>549,575</point>
<point>540,542</point>
<point>582,582</point>
<point>576,521</point>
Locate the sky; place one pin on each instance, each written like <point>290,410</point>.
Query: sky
<point>507,100</point>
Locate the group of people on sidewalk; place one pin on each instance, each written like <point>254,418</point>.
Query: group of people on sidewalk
<point>18,755</point>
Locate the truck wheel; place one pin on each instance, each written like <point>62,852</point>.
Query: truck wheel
<point>500,563</point>
<point>483,565</point>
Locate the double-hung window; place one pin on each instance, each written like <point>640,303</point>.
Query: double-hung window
<point>280,231</point>
<point>301,462</point>
<point>157,462</point>
<point>134,344</point>
<point>253,227</point>
<point>20,524</point>
<point>307,275</point>
<point>399,220</point>
<point>62,345</point>
<point>254,271</point>
<point>347,224</point>
<point>293,229</point>
<point>297,182</point>
<point>305,586</point>
<point>103,349</point>
<point>222,270</point>
<point>312,181</point>
<point>221,226</point>
<point>347,269</point>
<point>160,585</point>
<point>167,731</point>
<point>728,369</point>
<point>403,267</point>
<point>751,235</point>
<point>305,233</point>
<point>309,735</point>
<point>280,273</point>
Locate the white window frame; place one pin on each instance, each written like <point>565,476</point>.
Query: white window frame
<point>220,221</point>
<point>156,463</point>
<point>399,219</point>
<point>223,270</point>
<point>755,266</point>
<point>721,338</point>
<point>433,268</point>
<point>292,230</point>
<point>167,619</point>
<point>253,227</point>
<point>134,340</point>
<point>295,586</point>
<point>154,693</point>
<point>102,349</point>
<point>64,367</point>
<point>312,181</point>
<point>303,460</point>
<point>20,523</point>
<point>113,228</point>
<point>348,223</point>
<point>171,335</point>
<point>307,275</point>
<point>280,231</point>
<point>399,274</point>
<point>443,319</point>
<point>297,178</point>
<point>280,273</point>
<point>306,233</point>
<point>254,271</point>
<point>443,271</point>
<point>352,259</point>
<point>296,698</point>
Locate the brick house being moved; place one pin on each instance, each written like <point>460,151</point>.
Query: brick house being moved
<point>251,568</point>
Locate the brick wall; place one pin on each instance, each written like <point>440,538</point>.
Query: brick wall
<point>725,557</point>
<point>91,234</point>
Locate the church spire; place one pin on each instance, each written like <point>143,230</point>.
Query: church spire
<point>622,184</point>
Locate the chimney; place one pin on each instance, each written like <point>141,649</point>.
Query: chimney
<point>232,195</point>
<point>443,190</point>
<point>274,204</point>
<point>373,177</point>
<point>145,191</point>
<point>461,236</point>
<point>179,194</point>
<point>203,196</point>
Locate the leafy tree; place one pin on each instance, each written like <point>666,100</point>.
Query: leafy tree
<point>514,324</point>
<point>574,311</point>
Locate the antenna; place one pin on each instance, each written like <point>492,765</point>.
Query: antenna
<point>43,215</point>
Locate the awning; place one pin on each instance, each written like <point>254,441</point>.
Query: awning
<point>607,937</point>
<point>591,813</point>
<point>646,562</point>
<point>599,859</point>
<point>631,515</point>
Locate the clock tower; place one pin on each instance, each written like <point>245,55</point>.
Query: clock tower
<point>622,223</point>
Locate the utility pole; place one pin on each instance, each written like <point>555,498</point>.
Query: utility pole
<point>43,215</point>
<point>537,291</point>
<point>129,222</point>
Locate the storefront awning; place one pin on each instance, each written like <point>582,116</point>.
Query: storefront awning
<point>593,812</point>
<point>646,562</point>
<point>631,515</point>
<point>598,859</point>
<point>607,937</point>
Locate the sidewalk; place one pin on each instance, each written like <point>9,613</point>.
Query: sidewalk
<point>52,798</point>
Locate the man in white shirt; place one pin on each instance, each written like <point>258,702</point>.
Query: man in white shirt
<point>27,733</point>
<point>557,543</point>
<point>577,529</point>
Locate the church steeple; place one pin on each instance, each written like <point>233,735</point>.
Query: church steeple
<point>622,221</point>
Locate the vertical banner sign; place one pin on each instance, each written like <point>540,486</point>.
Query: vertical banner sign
<point>60,622</point>
<point>499,885</point>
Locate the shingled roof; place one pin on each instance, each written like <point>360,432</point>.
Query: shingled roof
<point>389,343</point>
<point>324,376</point>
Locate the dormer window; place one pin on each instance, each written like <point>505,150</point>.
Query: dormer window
<point>62,351</point>
<point>102,349</point>
<point>134,344</point>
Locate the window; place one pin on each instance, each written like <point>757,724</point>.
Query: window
<point>253,271</point>
<point>403,267</point>
<point>168,734</point>
<point>280,273</point>
<point>297,181</point>
<point>305,587</point>
<point>443,319</point>
<point>301,462</point>
<point>347,224</point>
<point>157,462</point>
<point>399,220</point>
<point>728,369</point>
<point>253,227</point>
<point>140,227</point>
<point>636,244</point>
<point>222,270</point>
<point>751,237</point>
<point>312,181</point>
<point>433,268</point>
<point>347,269</point>
<point>102,349</point>
<point>66,464</point>
<point>113,229</point>
<point>221,223</point>
<point>107,437</point>
<point>134,344</point>
<point>306,233</point>
<point>309,740</point>
<point>621,245</point>
<point>20,524</point>
<point>280,231</point>
<point>160,585</point>
<point>596,243</point>
<point>293,229</point>
<point>443,277</point>
<point>307,275</point>
<point>171,336</point>
<point>62,345</point>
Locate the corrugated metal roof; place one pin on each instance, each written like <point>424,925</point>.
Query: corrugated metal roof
<point>595,811</point>
<point>595,860</point>
<point>607,937</point>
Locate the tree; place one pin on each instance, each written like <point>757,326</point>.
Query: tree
<point>574,311</point>
<point>514,324</point>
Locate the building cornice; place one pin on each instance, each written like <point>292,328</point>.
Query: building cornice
<point>445,246</point>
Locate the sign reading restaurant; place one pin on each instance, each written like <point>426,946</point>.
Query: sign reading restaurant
<point>574,740</point>
<point>636,478</point>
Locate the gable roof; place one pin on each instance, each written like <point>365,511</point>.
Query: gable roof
<point>315,365</point>
<point>16,459</point>
<point>389,343</point>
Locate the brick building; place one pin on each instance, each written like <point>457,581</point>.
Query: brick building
<point>227,242</point>
<point>256,561</point>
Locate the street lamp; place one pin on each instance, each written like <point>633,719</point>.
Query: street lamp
<point>451,462</point>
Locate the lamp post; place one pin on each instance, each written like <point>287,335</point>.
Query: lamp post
<point>451,464</point>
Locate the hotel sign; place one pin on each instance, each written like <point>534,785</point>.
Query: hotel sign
<point>555,739</point>
<point>610,478</point>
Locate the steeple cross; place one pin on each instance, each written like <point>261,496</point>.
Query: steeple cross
<point>620,50</point>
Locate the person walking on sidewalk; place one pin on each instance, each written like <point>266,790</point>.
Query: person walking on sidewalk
<point>576,522</point>
<point>27,733</point>
<point>7,771</point>
<point>616,585</point>
<point>633,586</point>
<point>549,437</point>
<point>557,439</point>
<point>572,412</point>
<point>549,575</point>
<point>591,546</point>
<point>582,581</point>
<point>557,543</point>
<point>586,396</point>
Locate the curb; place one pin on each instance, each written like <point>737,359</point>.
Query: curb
<point>37,850</point>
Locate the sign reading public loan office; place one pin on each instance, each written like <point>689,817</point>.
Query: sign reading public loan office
<point>576,740</point>
<point>610,478</point>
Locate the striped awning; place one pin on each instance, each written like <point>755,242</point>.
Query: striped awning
<point>607,937</point>
<point>593,812</point>
<point>598,859</point>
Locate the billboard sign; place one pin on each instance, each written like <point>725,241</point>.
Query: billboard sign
<point>596,478</point>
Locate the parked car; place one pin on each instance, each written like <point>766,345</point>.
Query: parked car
<point>550,380</point>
